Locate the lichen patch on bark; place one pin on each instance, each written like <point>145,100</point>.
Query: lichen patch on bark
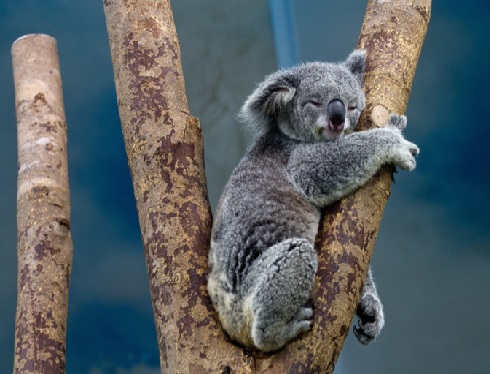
<point>43,209</point>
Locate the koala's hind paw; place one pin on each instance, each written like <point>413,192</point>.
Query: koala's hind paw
<point>371,319</point>
<point>399,122</point>
<point>272,337</point>
<point>302,321</point>
<point>304,313</point>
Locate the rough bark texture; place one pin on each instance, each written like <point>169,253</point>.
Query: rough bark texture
<point>165,152</point>
<point>43,208</point>
<point>164,147</point>
<point>393,32</point>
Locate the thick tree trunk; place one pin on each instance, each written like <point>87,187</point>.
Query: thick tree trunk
<point>164,147</point>
<point>165,152</point>
<point>43,208</point>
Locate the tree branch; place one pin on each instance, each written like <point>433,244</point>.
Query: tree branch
<point>43,208</point>
<point>392,34</point>
<point>164,147</point>
<point>165,152</point>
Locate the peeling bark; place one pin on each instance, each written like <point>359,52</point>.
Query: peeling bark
<point>164,147</point>
<point>43,208</point>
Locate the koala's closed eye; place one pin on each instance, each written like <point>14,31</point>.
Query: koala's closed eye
<point>315,103</point>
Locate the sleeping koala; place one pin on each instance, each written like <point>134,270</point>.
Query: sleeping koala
<point>262,259</point>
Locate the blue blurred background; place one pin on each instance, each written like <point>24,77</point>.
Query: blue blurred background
<point>432,260</point>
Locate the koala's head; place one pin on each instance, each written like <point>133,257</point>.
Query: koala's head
<point>311,102</point>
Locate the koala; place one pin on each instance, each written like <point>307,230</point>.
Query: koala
<point>262,261</point>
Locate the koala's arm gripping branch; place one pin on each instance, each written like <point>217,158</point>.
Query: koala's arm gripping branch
<point>347,164</point>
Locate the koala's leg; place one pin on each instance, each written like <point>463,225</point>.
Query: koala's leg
<point>281,293</point>
<point>370,312</point>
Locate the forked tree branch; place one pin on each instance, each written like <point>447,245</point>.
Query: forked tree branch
<point>164,147</point>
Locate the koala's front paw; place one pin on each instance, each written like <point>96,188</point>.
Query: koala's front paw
<point>405,155</point>
<point>396,121</point>
<point>371,319</point>
<point>405,151</point>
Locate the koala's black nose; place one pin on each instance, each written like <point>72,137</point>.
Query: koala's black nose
<point>336,114</point>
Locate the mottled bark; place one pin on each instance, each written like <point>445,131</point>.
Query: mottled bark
<point>43,208</point>
<point>164,147</point>
<point>165,152</point>
<point>392,33</point>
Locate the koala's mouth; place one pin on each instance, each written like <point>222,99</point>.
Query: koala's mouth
<point>328,132</point>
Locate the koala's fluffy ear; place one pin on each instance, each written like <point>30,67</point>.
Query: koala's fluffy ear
<point>356,63</point>
<point>269,98</point>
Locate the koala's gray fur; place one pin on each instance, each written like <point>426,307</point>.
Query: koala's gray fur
<point>262,259</point>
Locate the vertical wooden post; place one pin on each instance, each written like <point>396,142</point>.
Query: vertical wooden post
<point>43,208</point>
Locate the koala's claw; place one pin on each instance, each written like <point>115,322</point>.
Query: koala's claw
<point>405,157</point>
<point>371,319</point>
<point>399,122</point>
<point>414,150</point>
<point>304,313</point>
<point>363,334</point>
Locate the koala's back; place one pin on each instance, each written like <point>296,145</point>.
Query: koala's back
<point>260,207</point>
